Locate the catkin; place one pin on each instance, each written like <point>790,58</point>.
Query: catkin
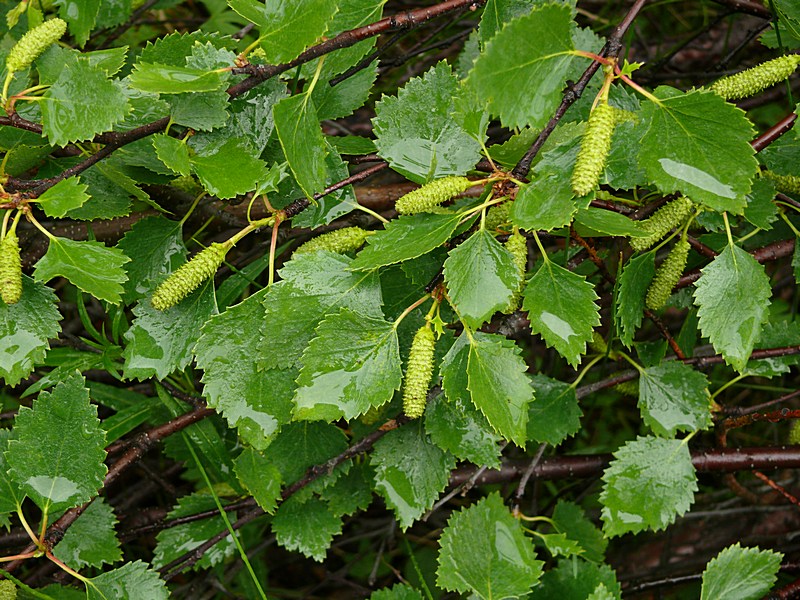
<point>339,241</point>
<point>660,222</point>
<point>760,77</point>
<point>189,277</point>
<point>788,184</point>
<point>595,146</point>
<point>33,43</point>
<point>418,373</point>
<point>10,269</point>
<point>432,194</point>
<point>517,245</point>
<point>668,274</point>
<point>498,215</point>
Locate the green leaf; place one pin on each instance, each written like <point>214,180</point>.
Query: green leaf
<point>174,541</point>
<point>132,581</point>
<point>417,133</point>
<point>593,221</point>
<point>649,483</point>
<point>561,309</point>
<point>256,402</point>
<point>674,397</point>
<point>203,111</point>
<point>351,492</point>
<point>229,170</point>
<point>155,247</point>
<point>91,539</point>
<point>64,196</point>
<point>633,283</point>
<point>761,211</point>
<point>776,335</point>
<point>166,79</point>
<point>352,365</point>
<point>485,552</point>
<point>260,477</point>
<point>287,27</point>
<point>455,425</point>
<point>173,152</point>
<point>569,519</point>
<point>555,414</point>
<point>306,526</point>
<point>25,328</point>
<point>314,285</point>
<point>110,192</point>
<point>481,277</point>
<point>497,13</point>
<point>81,103</point>
<point>558,544</point>
<point>532,51</point>
<point>405,238</point>
<point>303,445</point>
<point>498,384</point>
<point>733,298</point>
<point>410,471</point>
<point>739,573</point>
<point>301,138</point>
<point>577,580</point>
<point>56,455</point>
<point>398,592</point>
<point>90,266</point>
<point>10,496</point>
<point>708,158</point>
<point>160,341</point>
<point>81,16</point>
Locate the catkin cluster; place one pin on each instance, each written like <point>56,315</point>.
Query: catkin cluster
<point>497,216</point>
<point>595,146</point>
<point>760,77</point>
<point>189,277</point>
<point>342,240</point>
<point>788,184</point>
<point>660,222</point>
<point>418,373</point>
<point>33,43</point>
<point>432,194</point>
<point>517,245</point>
<point>668,274</point>
<point>10,269</point>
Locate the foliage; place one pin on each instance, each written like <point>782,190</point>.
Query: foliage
<point>346,351</point>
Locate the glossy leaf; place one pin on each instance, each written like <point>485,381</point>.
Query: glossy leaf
<point>561,309</point>
<point>485,552</point>
<point>455,425</point>
<point>91,540</point>
<point>64,196</point>
<point>256,403</point>
<point>410,472</point>
<point>674,397</point>
<point>132,581</point>
<point>173,153</point>
<point>569,519</point>
<point>306,526</point>
<point>708,158</point>
<point>56,455</point>
<point>261,478</point>
<point>650,482</point>
<point>633,283</point>
<point>554,415</point>
<point>733,299</point>
<point>740,573</point>
<point>481,278</point>
<point>167,79</point>
<point>425,144</point>
<point>25,328</point>
<point>230,170</point>
<point>576,580</point>
<point>90,266</point>
<point>533,52</point>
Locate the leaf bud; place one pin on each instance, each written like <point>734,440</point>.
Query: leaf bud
<point>668,274</point>
<point>660,222</point>
<point>189,277</point>
<point>10,269</point>
<point>419,372</point>
<point>33,43</point>
<point>751,81</point>
<point>432,194</point>
<point>339,241</point>
<point>595,146</point>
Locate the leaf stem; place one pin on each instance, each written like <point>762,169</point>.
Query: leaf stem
<point>541,248</point>
<point>633,363</point>
<point>408,310</point>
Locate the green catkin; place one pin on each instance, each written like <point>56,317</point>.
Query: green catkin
<point>517,245</point>
<point>794,433</point>
<point>750,82</point>
<point>432,194</point>
<point>418,373</point>
<point>8,591</point>
<point>788,184</point>
<point>33,43</point>
<point>10,269</point>
<point>497,216</point>
<point>598,344</point>
<point>668,274</point>
<point>595,146</point>
<point>189,277</point>
<point>660,222</point>
<point>342,240</point>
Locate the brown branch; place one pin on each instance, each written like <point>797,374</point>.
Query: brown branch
<point>747,7</point>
